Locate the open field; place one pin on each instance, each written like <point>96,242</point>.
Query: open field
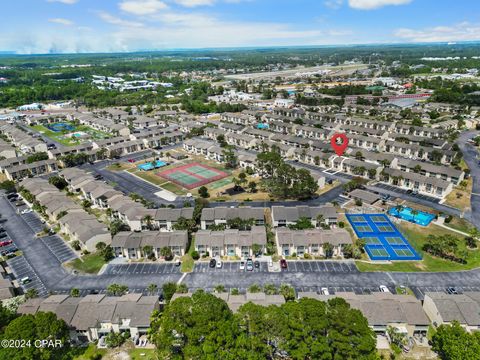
<point>417,236</point>
<point>90,264</point>
<point>460,196</point>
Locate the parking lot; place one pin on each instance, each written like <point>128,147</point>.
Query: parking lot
<point>21,269</point>
<point>59,248</point>
<point>227,267</point>
<point>403,191</point>
<point>139,268</point>
<point>33,221</point>
<point>321,266</point>
<point>419,292</point>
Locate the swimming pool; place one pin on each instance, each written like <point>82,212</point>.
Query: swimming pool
<point>263,126</point>
<point>150,165</point>
<point>420,217</point>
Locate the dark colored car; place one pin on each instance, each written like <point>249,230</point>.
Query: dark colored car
<point>257,264</point>
<point>283,264</point>
<point>213,263</point>
<point>452,291</point>
<point>3,235</point>
<point>12,195</point>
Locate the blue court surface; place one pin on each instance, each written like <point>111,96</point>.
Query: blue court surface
<point>406,213</point>
<point>383,240</point>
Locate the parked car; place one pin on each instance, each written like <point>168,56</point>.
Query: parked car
<point>26,211</point>
<point>219,264</point>
<point>3,221</point>
<point>178,263</point>
<point>12,250</point>
<point>256,264</point>
<point>283,264</point>
<point>12,195</point>
<point>25,280</point>
<point>325,291</point>
<point>213,263</point>
<point>98,177</point>
<point>242,265</point>
<point>19,203</point>
<point>249,265</point>
<point>2,230</point>
<point>13,199</point>
<point>3,235</point>
<point>131,160</point>
<point>5,243</point>
<point>384,289</point>
<point>452,291</point>
<point>11,255</point>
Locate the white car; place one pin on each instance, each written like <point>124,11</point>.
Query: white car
<point>219,264</point>
<point>325,291</point>
<point>26,211</point>
<point>242,265</point>
<point>384,289</point>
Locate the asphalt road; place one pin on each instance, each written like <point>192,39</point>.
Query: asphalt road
<point>41,263</point>
<point>471,157</point>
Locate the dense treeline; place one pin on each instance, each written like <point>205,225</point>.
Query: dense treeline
<point>203,327</point>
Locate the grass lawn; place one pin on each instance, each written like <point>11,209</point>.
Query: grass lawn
<point>460,196</point>
<point>417,236</point>
<point>459,224</point>
<point>143,354</point>
<point>91,263</point>
<point>89,352</point>
<point>187,263</point>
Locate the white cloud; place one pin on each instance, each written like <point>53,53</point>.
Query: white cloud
<point>114,20</point>
<point>61,21</point>
<point>464,31</point>
<point>68,2</point>
<point>142,7</point>
<point>194,3</point>
<point>333,4</point>
<point>375,4</point>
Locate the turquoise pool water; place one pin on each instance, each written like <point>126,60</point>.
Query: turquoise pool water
<point>150,166</point>
<point>420,218</point>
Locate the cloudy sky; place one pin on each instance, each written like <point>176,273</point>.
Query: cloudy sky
<point>68,26</point>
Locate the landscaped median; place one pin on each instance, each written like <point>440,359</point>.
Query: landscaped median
<point>418,237</point>
<point>90,263</point>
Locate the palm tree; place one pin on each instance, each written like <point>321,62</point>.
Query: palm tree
<point>152,288</point>
<point>414,214</point>
<point>474,233</point>
<point>399,209</point>
<point>148,220</point>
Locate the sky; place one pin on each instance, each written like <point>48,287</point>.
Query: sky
<point>78,26</point>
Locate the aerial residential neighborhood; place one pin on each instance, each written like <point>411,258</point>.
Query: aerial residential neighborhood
<point>239,180</point>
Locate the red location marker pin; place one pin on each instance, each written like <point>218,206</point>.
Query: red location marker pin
<point>339,143</point>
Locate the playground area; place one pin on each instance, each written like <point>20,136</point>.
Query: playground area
<point>69,134</point>
<point>383,240</point>
<point>191,176</point>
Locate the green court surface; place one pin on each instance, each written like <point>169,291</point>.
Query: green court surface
<point>206,173</point>
<point>379,219</point>
<point>183,178</point>
<point>395,240</point>
<point>379,252</point>
<point>357,218</point>
<point>220,183</point>
<point>364,228</point>
<point>385,228</point>
<point>403,252</point>
<point>372,240</point>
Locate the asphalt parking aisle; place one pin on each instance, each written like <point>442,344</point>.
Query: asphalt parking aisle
<point>142,268</point>
<point>21,269</point>
<point>34,222</point>
<point>59,249</point>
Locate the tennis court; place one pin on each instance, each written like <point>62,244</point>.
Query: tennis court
<point>191,176</point>
<point>382,238</point>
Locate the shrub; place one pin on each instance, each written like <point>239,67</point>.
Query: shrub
<point>195,255</point>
